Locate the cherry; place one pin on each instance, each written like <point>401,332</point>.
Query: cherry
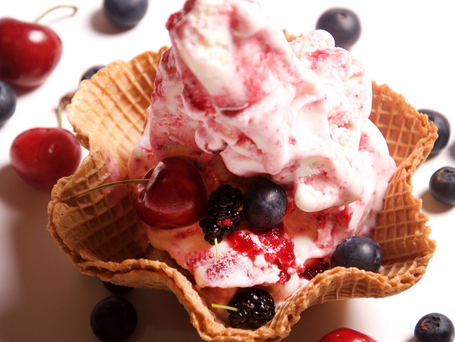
<point>346,335</point>
<point>175,195</point>
<point>41,156</point>
<point>29,52</point>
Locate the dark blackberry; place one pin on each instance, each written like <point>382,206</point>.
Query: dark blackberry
<point>255,308</point>
<point>223,213</point>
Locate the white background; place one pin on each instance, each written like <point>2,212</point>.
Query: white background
<point>406,44</point>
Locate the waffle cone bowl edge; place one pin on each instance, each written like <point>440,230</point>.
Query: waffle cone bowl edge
<point>98,231</point>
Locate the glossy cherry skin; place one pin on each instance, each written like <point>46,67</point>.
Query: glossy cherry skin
<point>41,156</point>
<point>346,335</point>
<point>29,52</point>
<point>174,197</point>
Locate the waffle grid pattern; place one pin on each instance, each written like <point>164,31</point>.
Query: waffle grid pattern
<point>97,231</point>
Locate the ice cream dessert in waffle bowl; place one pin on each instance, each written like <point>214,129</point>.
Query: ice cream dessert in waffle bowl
<point>133,115</point>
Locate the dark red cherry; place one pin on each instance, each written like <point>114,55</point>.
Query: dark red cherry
<point>174,197</point>
<point>41,156</point>
<point>346,335</point>
<point>29,52</point>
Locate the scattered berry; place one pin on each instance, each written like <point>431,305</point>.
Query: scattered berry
<point>346,335</point>
<point>7,102</point>
<point>117,289</point>
<point>443,126</point>
<point>265,204</point>
<point>223,213</point>
<point>113,319</point>
<point>29,51</point>
<point>358,251</point>
<point>41,156</point>
<point>434,327</point>
<point>343,24</point>
<point>442,185</point>
<point>125,13</point>
<point>90,72</point>
<point>255,308</point>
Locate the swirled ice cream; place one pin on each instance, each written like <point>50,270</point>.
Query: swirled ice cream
<point>233,95</point>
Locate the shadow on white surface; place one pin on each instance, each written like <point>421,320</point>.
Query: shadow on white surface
<point>102,25</point>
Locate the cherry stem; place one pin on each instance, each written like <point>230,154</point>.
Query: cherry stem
<point>227,307</point>
<point>59,116</point>
<point>217,255</point>
<point>64,101</point>
<point>53,8</point>
<point>108,185</point>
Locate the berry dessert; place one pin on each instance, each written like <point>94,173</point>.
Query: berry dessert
<point>285,156</point>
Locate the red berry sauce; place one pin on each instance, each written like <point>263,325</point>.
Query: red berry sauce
<point>276,245</point>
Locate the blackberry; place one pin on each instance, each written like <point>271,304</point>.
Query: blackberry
<point>223,213</point>
<point>255,308</point>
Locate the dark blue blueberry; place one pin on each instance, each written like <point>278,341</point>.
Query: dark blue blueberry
<point>442,185</point>
<point>113,319</point>
<point>117,289</point>
<point>358,251</point>
<point>443,126</point>
<point>7,102</point>
<point>343,24</point>
<point>125,13</point>
<point>265,204</point>
<point>434,327</point>
<point>90,72</point>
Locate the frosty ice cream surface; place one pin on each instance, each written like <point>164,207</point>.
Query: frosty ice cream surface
<point>233,95</point>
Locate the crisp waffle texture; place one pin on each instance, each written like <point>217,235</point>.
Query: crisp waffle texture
<point>98,231</point>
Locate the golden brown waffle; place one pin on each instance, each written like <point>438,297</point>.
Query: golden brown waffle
<point>98,231</point>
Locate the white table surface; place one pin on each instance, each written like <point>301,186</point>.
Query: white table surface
<point>44,298</point>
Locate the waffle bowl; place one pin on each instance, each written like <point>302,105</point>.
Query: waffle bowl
<point>98,232</point>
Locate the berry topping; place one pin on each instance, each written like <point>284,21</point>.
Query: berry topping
<point>113,319</point>
<point>343,24</point>
<point>117,289</point>
<point>255,308</point>
<point>223,213</point>
<point>346,335</point>
<point>434,327</point>
<point>7,102</point>
<point>313,267</point>
<point>174,197</point>
<point>358,251</point>
<point>443,126</point>
<point>442,185</point>
<point>125,13</point>
<point>265,204</point>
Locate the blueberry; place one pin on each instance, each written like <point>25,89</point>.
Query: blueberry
<point>358,251</point>
<point>442,185</point>
<point>434,327</point>
<point>265,204</point>
<point>125,13</point>
<point>443,126</point>
<point>90,72</point>
<point>343,24</point>
<point>7,102</point>
<point>113,319</point>
<point>117,289</point>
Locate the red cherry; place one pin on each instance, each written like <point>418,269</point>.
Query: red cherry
<point>29,52</point>
<point>43,155</point>
<point>174,197</point>
<point>346,335</point>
